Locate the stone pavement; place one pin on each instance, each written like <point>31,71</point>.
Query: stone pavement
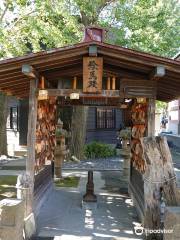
<point>114,163</point>
<point>62,216</point>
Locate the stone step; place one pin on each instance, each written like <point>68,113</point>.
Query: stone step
<point>42,238</point>
<point>21,151</point>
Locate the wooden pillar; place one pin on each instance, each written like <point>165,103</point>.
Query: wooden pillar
<point>108,83</point>
<point>113,83</point>
<point>74,83</point>
<point>151,117</point>
<point>31,142</point>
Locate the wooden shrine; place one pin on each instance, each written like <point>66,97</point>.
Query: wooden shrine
<point>91,73</point>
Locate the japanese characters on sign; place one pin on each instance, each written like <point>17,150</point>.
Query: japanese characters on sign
<point>92,74</point>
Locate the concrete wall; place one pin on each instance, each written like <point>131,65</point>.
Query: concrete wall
<point>174,116</point>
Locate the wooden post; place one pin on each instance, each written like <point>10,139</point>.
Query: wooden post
<point>108,83</point>
<point>74,83</point>
<point>151,117</point>
<point>113,83</point>
<point>42,82</point>
<point>31,142</point>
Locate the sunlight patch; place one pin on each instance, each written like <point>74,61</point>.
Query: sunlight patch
<point>72,237</point>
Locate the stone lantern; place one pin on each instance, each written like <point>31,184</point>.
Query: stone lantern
<point>60,149</point>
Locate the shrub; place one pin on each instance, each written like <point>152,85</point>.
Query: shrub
<point>99,150</point>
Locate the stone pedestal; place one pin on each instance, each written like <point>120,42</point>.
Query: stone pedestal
<point>11,219</point>
<point>126,164</point>
<point>24,191</point>
<point>126,168</point>
<point>60,152</point>
<point>172,223</point>
<point>90,196</point>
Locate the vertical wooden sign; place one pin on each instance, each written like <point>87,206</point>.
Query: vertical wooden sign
<point>92,74</point>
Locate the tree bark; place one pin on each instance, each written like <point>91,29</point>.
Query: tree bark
<point>159,181</point>
<point>78,131</point>
<point>3,120</point>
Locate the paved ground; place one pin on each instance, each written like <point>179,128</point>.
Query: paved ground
<point>176,162</point>
<point>114,163</point>
<point>63,218</point>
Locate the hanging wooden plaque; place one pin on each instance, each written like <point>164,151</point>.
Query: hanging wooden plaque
<point>92,74</point>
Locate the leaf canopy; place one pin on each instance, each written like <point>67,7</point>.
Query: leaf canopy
<point>32,25</point>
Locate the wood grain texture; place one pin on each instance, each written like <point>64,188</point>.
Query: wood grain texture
<point>45,132</point>
<point>92,74</point>
<point>139,126</point>
<point>159,179</point>
<point>31,141</point>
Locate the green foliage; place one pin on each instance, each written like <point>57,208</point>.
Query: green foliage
<point>30,26</point>
<point>71,181</point>
<point>161,107</point>
<point>99,150</point>
<point>7,187</point>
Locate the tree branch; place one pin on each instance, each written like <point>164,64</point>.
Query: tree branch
<point>104,4</point>
<point>85,20</point>
<point>4,12</point>
<point>21,18</point>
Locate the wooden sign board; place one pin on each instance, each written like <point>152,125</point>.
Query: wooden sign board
<point>138,88</point>
<point>92,74</point>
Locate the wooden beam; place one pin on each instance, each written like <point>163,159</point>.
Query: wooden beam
<point>63,72</point>
<point>15,87</point>
<point>138,88</point>
<point>49,66</point>
<point>126,64</point>
<point>138,59</point>
<point>9,77</point>
<point>14,83</point>
<point>67,92</point>
<point>125,72</point>
<point>31,142</point>
<point>56,56</point>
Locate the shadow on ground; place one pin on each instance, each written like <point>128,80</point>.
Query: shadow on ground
<point>63,218</point>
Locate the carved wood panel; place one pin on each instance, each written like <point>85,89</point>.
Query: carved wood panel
<point>92,74</point>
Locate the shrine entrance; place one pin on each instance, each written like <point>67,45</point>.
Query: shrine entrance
<point>90,73</point>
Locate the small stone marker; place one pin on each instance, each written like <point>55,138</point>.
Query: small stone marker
<point>11,219</point>
<point>90,196</point>
<point>89,199</point>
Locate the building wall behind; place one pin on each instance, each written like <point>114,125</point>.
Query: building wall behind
<point>12,134</point>
<point>103,135</point>
<point>23,121</point>
<point>174,117</point>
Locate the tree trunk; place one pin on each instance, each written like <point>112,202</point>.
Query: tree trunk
<point>3,120</point>
<point>159,181</point>
<point>78,131</point>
